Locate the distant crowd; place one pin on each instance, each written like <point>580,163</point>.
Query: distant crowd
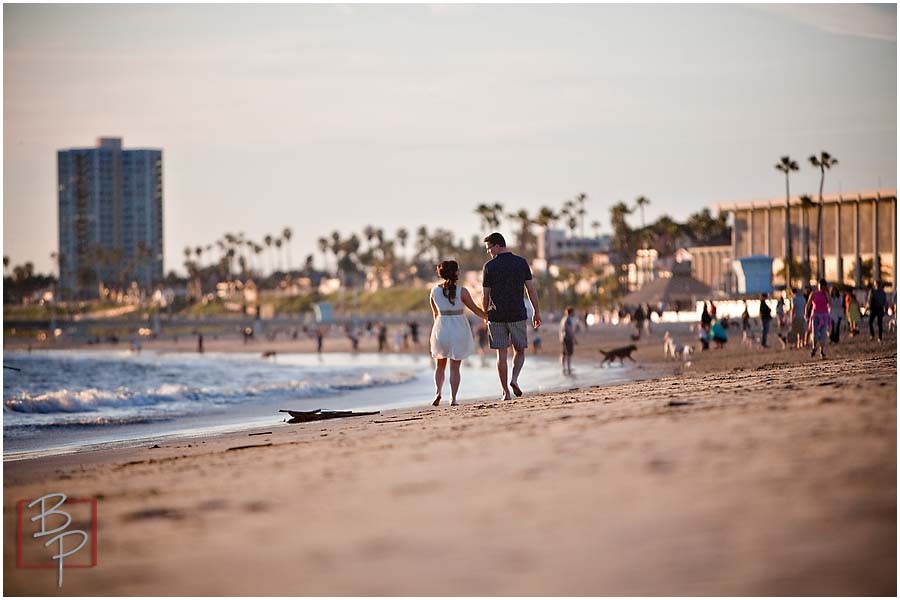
<point>806,318</point>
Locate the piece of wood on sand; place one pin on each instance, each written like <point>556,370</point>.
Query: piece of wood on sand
<point>305,416</point>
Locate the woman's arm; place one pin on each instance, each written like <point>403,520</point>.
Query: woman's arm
<point>470,304</point>
<point>434,310</point>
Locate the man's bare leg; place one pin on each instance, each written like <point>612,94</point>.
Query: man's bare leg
<point>502,371</point>
<point>518,363</point>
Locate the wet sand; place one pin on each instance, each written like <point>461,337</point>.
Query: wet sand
<point>747,473</point>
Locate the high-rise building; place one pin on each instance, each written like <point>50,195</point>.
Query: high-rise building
<point>110,217</point>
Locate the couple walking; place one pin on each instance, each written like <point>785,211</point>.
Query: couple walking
<point>505,278</point>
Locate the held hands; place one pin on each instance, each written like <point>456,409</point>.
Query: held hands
<point>536,321</point>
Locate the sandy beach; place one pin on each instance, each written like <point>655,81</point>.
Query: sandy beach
<point>747,473</point>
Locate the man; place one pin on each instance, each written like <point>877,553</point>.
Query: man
<point>765,315</point>
<point>875,305</point>
<point>505,278</point>
<point>567,328</point>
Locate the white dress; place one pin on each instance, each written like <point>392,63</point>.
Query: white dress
<point>451,336</point>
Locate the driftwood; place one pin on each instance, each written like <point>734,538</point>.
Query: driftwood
<point>248,446</point>
<point>300,416</point>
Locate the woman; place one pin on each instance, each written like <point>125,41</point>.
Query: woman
<point>451,336</point>
<point>719,333</point>
<point>818,312</point>
<point>851,308</point>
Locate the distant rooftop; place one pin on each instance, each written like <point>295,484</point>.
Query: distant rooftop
<point>778,202</point>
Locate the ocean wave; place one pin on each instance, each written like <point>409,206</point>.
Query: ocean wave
<point>80,421</point>
<point>93,399</point>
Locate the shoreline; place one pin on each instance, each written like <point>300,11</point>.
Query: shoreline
<point>273,420</point>
<point>764,473</point>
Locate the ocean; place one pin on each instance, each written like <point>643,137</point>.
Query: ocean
<point>64,401</point>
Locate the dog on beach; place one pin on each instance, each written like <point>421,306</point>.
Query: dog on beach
<point>674,351</point>
<point>620,353</point>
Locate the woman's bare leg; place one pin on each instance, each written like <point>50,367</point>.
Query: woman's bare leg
<point>439,367</point>
<point>454,380</point>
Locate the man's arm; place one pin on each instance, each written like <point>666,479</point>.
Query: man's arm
<point>532,295</point>
<point>485,298</point>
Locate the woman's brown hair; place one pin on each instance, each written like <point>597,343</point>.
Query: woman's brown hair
<point>448,270</point>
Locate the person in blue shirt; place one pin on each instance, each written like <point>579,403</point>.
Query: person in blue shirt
<point>718,334</point>
<point>505,279</point>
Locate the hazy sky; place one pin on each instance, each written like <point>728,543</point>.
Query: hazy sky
<point>333,117</point>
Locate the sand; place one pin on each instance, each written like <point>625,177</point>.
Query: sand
<point>749,472</point>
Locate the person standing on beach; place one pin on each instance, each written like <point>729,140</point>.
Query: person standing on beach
<point>745,319</point>
<point>875,305</point>
<point>567,328</point>
<point>851,309</point>
<point>382,337</point>
<point>837,314</point>
<point>451,336</point>
<point>819,313</point>
<point>765,316</point>
<point>798,322</point>
<point>505,278</point>
<point>779,314</point>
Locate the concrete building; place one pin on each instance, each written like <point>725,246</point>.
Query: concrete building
<point>110,217</point>
<point>712,266</point>
<point>554,245</point>
<point>859,234</point>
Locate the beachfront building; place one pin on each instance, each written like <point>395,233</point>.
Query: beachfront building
<point>110,217</point>
<point>710,265</point>
<point>553,246</point>
<point>859,234</point>
<point>647,267</point>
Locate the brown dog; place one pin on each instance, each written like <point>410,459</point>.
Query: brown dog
<point>620,353</point>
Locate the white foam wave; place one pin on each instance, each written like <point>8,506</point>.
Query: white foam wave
<point>92,399</point>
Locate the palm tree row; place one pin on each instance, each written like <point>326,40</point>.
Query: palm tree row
<point>823,161</point>
<point>246,252</point>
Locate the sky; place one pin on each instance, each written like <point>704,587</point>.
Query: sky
<point>329,118</point>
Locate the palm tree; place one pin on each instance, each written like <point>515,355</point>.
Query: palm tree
<point>402,236</point>
<point>806,202</point>
<point>268,242</point>
<point>581,200</point>
<point>240,242</point>
<point>278,243</point>
<point>490,215</point>
<point>323,248</point>
<point>369,234</point>
<point>336,248</point>
<point>287,234</point>
<point>595,225</point>
<point>546,217</point>
<point>251,256</point>
<point>786,165</point>
<point>823,161</point>
<point>524,233</point>
<point>257,250</point>
<point>5,263</point>
<point>422,243</point>
<point>640,202</point>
